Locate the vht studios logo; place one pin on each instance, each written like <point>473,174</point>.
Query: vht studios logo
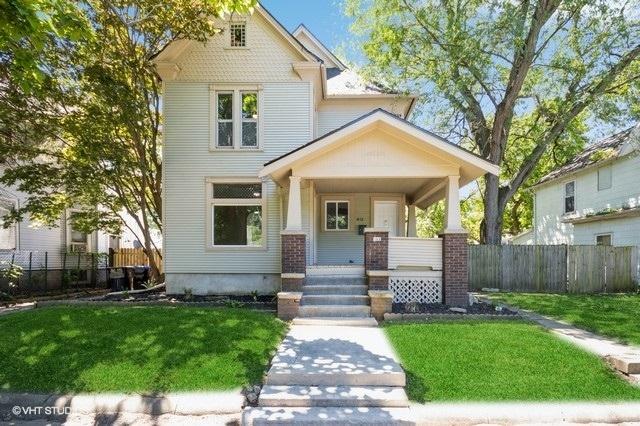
<point>20,411</point>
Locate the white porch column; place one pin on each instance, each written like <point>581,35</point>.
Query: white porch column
<point>452,219</point>
<point>294,207</point>
<point>411,221</point>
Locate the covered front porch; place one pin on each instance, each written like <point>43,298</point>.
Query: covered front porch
<point>350,198</point>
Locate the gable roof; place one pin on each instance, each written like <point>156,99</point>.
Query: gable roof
<point>385,116</point>
<point>601,151</point>
<point>302,29</point>
<point>174,49</point>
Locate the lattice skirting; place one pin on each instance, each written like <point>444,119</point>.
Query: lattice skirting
<point>416,288</point>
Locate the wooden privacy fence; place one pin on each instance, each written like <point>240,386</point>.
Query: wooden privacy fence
<point>134,257</point>
<point>553,268</point>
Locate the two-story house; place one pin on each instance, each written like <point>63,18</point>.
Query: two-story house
<point>594,198</point>
<point>280,163</point>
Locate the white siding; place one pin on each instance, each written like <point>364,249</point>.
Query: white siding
<point>624,232</point>
<point>267,58</point>
<point>335,113</point>
<point>343,247</point>
<point>625,189</point>
<point>415,252</point>
<point>188,161</point>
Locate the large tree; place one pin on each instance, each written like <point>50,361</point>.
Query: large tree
<point>80,116</point>
<point>514,80</point>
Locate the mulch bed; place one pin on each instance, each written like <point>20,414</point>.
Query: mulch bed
<point>478,308</point>
<point>268,302</point>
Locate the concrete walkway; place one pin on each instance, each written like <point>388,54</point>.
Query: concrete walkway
<point>326,373</point>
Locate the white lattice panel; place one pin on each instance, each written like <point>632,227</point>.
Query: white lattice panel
<point>421,288</point>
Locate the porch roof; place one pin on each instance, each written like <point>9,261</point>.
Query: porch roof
<point>380,145</point>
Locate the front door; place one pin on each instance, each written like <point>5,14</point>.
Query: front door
<point>385,215</point>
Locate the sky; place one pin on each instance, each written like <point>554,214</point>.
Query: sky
<point>323,17</point>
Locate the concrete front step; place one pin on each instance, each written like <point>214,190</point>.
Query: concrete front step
<point>327,415</point>
<point>309,311</point>
<point>321,289</point>
<point>334,299</point>
<point>335,281</point>
<point>332,396</point>
<point>331,321</point>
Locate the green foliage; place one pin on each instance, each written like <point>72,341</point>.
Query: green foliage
<point>613,315</point>
<point>83,131</point>
<point>500,361</point>
<point>135,349</point>
<point>518,82</point>
<point>11,272</point>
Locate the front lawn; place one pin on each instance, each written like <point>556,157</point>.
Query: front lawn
<point>613,315</point>
<point>135,349</point>
<point>499,361</point>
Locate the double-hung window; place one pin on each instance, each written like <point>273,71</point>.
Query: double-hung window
<point>336,215</point>
<point>604,178</point>
<point>7,235</point>
<point>570,197</point>
<point>236,117</point>
<point>236,214</point>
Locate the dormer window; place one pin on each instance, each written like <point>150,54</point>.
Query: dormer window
<point>238,31</point>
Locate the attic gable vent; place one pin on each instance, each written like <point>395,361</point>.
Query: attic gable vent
<point>238,32</point>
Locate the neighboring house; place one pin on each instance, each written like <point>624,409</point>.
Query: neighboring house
<point>594,198</point>
<point>24,237</point>
<point>279,161</point>
<point>523,238</point>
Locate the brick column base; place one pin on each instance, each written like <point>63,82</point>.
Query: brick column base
<point>376,258</point>
<point>378,281</point>
<point>294,260</point>
<point>288,305</point>
<point>454,269</point>
<point>381,303</point>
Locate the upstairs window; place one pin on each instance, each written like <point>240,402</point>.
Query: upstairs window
<point>236,113</point>
<point>238,32</point>
<point>604,178</point>
<point>570,197</point>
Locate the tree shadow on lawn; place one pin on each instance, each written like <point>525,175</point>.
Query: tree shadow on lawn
<point>135,349</point>
<point>613,315</point>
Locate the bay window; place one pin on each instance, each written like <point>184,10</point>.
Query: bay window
<point>236,214</point>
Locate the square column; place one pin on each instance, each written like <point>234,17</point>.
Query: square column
<point>454,249</point>
<point>411,221</point>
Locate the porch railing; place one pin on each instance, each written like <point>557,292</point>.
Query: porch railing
<point>420,253</point>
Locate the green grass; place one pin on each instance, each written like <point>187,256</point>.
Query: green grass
<point>613,315</point>
<point>135,349</point>
<point>499,361</point>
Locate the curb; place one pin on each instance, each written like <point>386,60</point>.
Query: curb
<point>188,403</point>
<point>525,413</point>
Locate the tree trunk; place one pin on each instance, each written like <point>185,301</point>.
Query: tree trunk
<point>491,228</point>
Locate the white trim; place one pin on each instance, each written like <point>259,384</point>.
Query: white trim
<point>378,273</point>
<point>16,228</point>
<point>336,201</point>
<point>302,29</point>
<point>603,234</point>
<point>236,116</point>
<point>564,197</point>
<point>397,123</point>
<point>292,275</point>
<point>211,202</point>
